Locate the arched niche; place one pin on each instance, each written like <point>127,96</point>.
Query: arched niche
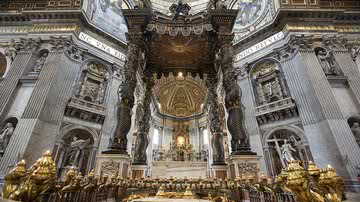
<point>354,124</point>
<point>268,82</point>
<point>37,62</point>
<point>93,82</point>
<point>76,146</point>
<point>327,61</point>
<point>274,144</point>
<point>3,65</point>
<point>6,131</point>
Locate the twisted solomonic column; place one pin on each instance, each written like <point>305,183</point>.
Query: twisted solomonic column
<point>142,140</point>
<point>215,124</point>
<point>235,123</point>
<point>118,141</point>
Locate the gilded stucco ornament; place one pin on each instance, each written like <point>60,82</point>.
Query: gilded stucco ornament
<point>22,185</point>
<point>307,185</point>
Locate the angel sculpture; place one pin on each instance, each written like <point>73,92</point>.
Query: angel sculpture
<point>179,8</point>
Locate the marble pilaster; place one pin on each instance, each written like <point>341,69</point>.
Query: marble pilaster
<point>40,121</point>
<point>350,70</point>
<point>9,83</point>
<point>329,137</point>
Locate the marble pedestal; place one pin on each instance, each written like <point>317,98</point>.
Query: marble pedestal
<point>244,165</point>
<point>138,171</point>
<point>179,169</point>
<point>220,171</point>
<point>112,164</point>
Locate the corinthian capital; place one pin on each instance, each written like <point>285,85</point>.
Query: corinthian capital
<point>295,43</point>
<point>336,43</point>
<point>60,43</point>
<point>354,47</point>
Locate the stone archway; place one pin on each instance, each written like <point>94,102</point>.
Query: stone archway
<point>275,143</point>
<point>76,148</point>
<point>354,124</point>
<point>3,65</point>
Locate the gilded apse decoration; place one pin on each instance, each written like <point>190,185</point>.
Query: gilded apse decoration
<point>180,96</point>
<point>28,185</point>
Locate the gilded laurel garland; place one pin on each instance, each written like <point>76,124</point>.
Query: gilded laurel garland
<point>38,183</point>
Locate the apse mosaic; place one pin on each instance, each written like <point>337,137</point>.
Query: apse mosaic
<point>107,16</point>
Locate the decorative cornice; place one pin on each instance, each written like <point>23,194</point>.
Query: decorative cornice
<point>305,18</point>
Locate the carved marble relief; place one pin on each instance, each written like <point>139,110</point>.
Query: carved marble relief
<point>110,168</point>
<point>93,83</point>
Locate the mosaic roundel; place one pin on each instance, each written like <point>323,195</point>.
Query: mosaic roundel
<point>250,11</point>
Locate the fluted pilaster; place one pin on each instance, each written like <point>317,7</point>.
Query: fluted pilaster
<point>329,136</point>
<point>9,83</point>
<point>350,70</point>
<point>40,122</point>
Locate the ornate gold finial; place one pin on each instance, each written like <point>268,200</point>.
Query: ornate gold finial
<point>297,180</point>
<point>14,179</point>
<point>313,170</point>
<point>188,193</point>
<point>22,185</point>
<point>161,192</point>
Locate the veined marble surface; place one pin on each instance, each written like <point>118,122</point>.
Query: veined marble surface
<point>179,169</point>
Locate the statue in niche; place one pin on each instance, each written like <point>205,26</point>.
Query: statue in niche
<point>5,136</point>
<point>355,129</point>
<point>327,62</point>
<point>76,147</point>
<point>92,88</point>
<point>40,63</point>
<point>287,152</point>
